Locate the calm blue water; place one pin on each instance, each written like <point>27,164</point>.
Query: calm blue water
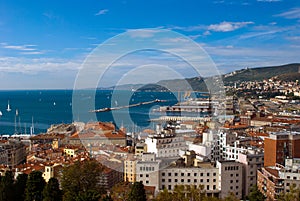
<point>48,107</point>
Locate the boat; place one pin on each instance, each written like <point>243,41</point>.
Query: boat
<point>0,113</point>
<point>8,107</point>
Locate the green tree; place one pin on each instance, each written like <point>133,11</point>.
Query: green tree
<point>120,191</point>
<point>34,186</point>
<point>164,195</point>
<point>256,195</point>
<point>292,195</point>
<point>80,178</point>
<point>137,192</point>
<point>20,187</point>
<point>51,191</point>
<point>6,187</point>
<point>107,198</point>
<point>90,195</point>
<point>179,193</point>
<point>231,197</point>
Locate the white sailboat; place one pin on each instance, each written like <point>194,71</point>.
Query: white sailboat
<point>0,113</point>
<point>8,107</point>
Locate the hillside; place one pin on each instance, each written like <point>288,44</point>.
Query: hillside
<point>260,73</point>
<point>286,72</point>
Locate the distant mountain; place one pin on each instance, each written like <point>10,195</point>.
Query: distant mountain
<point>286,72</point>
<point>261,73</point>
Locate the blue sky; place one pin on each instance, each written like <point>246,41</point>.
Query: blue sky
<point>44,43</point>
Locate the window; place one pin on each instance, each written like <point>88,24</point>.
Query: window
<point>201,180</point>
<point>188,180</point>
<point>231,181</point>
<point>141,175</point>
<point>201,174</point>
<point>169,187</point>
<point>214,174</point>
<point>163,174</point>
<point>147,182</point>
<point>195,174</point>
<point>207,187</point>
<point>188,174</point>
<point>231,187</point>
<point>207,180</point>
<point>169,180</point>
<point>295,178</point>
<point>182,174</point>
<point>214,180</point>
<point>237,181</point>
<point>169,174</point>
<point>147,175</point>
<point>237,175</point>
<point>163,180</point>
<point>195,180</point>
<point>214,187</point>
<point>182,180</point>
<point>175,180</point>
<point>176,174</point>
<point>231,175</point>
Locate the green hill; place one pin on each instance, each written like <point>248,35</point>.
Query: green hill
<point>286,72</point>
<point>260,73</point>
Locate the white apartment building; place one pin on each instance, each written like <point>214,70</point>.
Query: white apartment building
<point>147,170</point>
<point>230,177</point>
<point>165,145</point>
<point>290,173</point>
<point>252,160</point>
<point>205,174</point>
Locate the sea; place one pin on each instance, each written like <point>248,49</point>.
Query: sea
<point>42,108</point>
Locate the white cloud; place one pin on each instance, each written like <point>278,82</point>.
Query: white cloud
<point>102,12</point>
<point>142,33</point>
<point>227,26</point>
<point>269,0</point>
<point>20,47</point>
<point>291,14</point>
<point>32,66</point>
<point>32,53</point>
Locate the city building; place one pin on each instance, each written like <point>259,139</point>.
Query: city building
<point>251,160</point>
<point>147,170</point>
<point>231,178</point>
<point>165,145</point>
<point>130,169</point>
<point>281,145</point>
<point>12,153</point>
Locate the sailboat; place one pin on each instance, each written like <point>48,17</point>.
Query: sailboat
<point>8,107</point>
<point>0,113</point>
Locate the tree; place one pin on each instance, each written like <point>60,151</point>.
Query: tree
<point>80,178</point>
<point>120,191</point>
<point>20,187</point>
<point>137,192</point>
<point>256,195</point>
<point>107,198</point>
<point>51,191</point>
<point>164,195</point>
<point>231,197</point>
<point>90,195</point>
<point>6,187</point>
<point>34,186</point>
<point>292,195</point>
